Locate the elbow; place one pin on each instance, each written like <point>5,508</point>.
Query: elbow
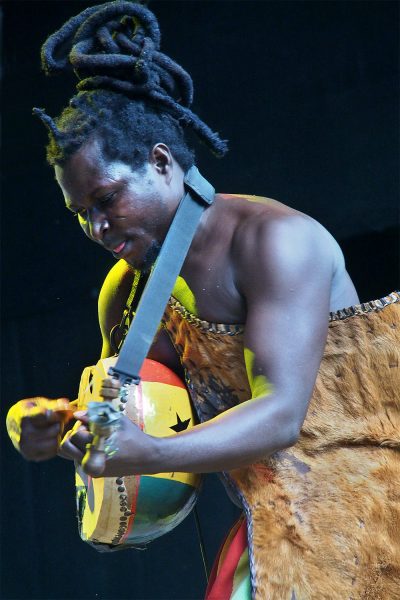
<point>290,429</point>
<point>292,436</point>
<point>283,437</point>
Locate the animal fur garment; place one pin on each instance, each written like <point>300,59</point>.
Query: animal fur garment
<point>324,515</point>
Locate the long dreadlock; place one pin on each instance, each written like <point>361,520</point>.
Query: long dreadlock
<point>130,95</point>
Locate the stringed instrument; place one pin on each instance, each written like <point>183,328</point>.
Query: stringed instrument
<point>132,510</point>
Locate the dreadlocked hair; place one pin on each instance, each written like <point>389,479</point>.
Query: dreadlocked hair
<point>130,95</point>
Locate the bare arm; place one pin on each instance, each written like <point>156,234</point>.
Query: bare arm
<point>284,271</point>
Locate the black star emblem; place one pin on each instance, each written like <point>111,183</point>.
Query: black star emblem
<point>180,425</point>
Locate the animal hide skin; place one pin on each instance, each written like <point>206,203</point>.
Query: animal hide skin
<point>324,515</point>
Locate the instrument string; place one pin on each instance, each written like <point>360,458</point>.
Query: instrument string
<point>201,543</point>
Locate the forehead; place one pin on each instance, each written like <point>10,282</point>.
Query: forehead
<point>86,170</point>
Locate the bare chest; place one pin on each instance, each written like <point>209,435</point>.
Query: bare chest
<point>208,287</point>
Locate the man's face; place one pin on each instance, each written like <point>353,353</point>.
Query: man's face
<point>128,212</point>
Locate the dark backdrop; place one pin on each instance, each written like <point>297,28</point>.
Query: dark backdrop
<point>307,95</point>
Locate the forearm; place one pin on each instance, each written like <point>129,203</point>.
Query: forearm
<point>242,435</point>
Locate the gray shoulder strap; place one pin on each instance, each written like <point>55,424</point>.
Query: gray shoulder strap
<point>199,195</point>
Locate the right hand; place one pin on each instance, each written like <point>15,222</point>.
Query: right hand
<point>73,444</point>
<point>35,426</point>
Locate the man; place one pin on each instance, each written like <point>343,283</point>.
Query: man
<point>260,269</point>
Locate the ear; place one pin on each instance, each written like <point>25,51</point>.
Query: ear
<point>161,158</point>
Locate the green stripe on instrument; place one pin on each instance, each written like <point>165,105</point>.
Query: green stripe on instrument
<point>160,505</point>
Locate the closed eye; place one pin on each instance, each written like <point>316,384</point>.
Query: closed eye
<point>101,202</point>
<point>107,199</point>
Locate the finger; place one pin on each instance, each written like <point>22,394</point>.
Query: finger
<point>110,382</point>
<point>79,438</point>
<point>43,419</point>
<point>42,456</point>
<point>94,462</point>
<point>82,416</point>
<point>73,445</point>
<point>82,441</point>
<point>109,394</point>
<point>34,432</point>
<point>38,452</point>
<point>70,451</point>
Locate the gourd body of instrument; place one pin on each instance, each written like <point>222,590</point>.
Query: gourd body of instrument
<point>132,510</point>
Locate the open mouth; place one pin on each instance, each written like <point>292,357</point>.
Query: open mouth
<point>118,249</point>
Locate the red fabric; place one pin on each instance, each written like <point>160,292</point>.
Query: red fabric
<point>220,586</point>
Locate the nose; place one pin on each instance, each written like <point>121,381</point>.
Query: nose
<point>96,225</point>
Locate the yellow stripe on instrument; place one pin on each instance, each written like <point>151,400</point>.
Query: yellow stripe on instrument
<point>166,407</point>
<point>172,409</point>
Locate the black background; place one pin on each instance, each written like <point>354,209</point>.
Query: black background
<point>307,95</point>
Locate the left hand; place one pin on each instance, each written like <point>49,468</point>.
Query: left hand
<point>74,444</point>
<point>131,452</point>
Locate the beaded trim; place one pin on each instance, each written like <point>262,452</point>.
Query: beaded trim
<point>344,313</point>
<point>119,482</point>
<point>223,329</point>
<point>364,307</point>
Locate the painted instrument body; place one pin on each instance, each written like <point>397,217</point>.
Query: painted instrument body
<point>133,510</point>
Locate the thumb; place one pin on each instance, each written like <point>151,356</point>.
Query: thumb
<point>82,415</point>
<point>94,462</point>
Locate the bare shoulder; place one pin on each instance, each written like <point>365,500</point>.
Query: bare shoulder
<point>275,245</point>
<point>112,298</point>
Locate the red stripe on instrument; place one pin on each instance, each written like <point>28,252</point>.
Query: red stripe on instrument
<point>155,371</point>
